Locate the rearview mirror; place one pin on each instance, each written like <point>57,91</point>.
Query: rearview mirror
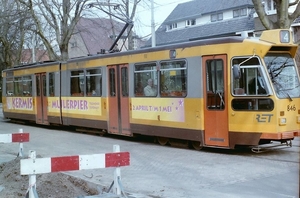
<point>236,71</point>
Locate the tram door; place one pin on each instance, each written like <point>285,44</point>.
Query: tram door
<point>215,111</point>
<point>118,100</point>
<point>41,99</point>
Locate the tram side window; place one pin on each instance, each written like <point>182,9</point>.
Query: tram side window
<point>250,81</point>
<point>124,78</point>
<point>52,84</point>
<point>77,83</point>
<point>173,78</point>
<point>44,81</point>
<point>112,82</point>
<point>9,86</point>
<point>18,87</point>
<point>253,104</point>
<point>27,86</point>
<point>93,82</point>
<point>215,84</point>
<point>145,79</point>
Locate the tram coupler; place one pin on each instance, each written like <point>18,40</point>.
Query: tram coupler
<point>261,149</point>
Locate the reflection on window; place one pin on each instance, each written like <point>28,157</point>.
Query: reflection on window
<point>93,82</point>
<point>77,83</point>
<point>173,78</point>
<point>145,79</point>
<point>283,74</point>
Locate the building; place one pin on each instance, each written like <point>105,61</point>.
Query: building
<point>270,10</point>
<point>36,55</point>
<point>96,35</point>
<point>200,19</point>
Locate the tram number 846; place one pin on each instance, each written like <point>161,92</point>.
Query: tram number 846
<point>291,108</point>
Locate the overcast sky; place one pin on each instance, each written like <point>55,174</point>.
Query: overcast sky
<point>162,9</point>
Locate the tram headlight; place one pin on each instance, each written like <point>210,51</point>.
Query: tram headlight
<point>298,119</point>
<point>282,121</point>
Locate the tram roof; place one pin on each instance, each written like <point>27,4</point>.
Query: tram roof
<point>205,42</point>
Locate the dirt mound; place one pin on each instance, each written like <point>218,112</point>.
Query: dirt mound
<point>48,185</point>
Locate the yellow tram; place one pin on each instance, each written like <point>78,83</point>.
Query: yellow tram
<point>219,92</point>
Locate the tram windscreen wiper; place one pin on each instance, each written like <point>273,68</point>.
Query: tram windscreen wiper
<point>281,90</point>
<point>288,95</point>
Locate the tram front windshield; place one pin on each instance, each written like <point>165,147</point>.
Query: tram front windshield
<point>283,74</point>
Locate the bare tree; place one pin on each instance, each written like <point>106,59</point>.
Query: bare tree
<point>284,18</point>
<point>14,25</point>
<point>60,18</point>
<point>12,31</point>
<point>126,12</point>
<point>130,12</point>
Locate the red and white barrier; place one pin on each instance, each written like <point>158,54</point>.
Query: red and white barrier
<point>15,137</point>
<point>33,166</point>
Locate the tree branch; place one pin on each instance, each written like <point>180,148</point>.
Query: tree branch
<point>266,22</point>
<point>296,13</point>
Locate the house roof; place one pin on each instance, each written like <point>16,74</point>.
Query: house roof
<point>196,8</point>
<point>40,55</point>
<point>297,20</point>
<point>224,28</point>
<point>96,33</point>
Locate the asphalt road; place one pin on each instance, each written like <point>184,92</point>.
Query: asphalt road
<point>167,172</point>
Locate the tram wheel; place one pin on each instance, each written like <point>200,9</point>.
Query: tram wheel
<point>162,140</point>
<point>196,145</point>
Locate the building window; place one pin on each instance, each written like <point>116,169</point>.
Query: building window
<point>240,12</point>
<point>173,26</point>
<point>270,5</point>
<point>73,44</point>
<point>243,12</point>
<point>190,22</point>
<point>216,17</point>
